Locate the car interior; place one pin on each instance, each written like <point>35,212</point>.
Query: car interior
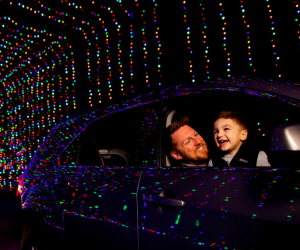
<point>125,138</point>
<point>131,137</point>
<point>274,124</point>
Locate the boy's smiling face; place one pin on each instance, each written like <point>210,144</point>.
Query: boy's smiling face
<point>228,135</point>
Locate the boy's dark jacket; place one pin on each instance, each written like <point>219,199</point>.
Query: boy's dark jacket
<point>245,157</point>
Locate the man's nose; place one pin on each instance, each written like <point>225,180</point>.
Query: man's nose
<point>197,141</point>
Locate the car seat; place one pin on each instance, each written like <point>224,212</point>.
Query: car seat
<point>114,157</point>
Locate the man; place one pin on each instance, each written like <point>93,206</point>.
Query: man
<point>185,144</point>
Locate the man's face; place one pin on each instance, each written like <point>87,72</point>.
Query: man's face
<point>190,146</point>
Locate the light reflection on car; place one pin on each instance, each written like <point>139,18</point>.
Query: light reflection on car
<point>103,177</point>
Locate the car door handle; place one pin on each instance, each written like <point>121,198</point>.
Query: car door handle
<point>163,200</point>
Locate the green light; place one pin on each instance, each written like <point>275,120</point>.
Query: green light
<point>177,221</point>
<point>124,208</point>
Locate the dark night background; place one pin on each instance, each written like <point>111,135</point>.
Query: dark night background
<point>61,57</point>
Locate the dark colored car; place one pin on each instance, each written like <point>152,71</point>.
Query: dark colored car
<point>102,180</point>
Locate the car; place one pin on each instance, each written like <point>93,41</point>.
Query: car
<point>103,178</point>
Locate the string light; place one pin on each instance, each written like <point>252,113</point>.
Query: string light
<point>224,37</point>
<point>188,40</point>
<point>204,39</point>
<point>277,58</point>
<point>250,59</point>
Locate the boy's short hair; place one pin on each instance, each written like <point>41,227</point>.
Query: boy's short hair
<point>234,116</point>
<point>172,128</point>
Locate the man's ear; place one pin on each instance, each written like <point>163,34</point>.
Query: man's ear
<point>244,135</point>
<point>176,155</point>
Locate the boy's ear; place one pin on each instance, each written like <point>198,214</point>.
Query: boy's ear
<point>244,135</point>
<point>176,155</point>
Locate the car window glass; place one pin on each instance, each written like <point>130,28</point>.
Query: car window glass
<point>69,156</point>
<point>126,137</point>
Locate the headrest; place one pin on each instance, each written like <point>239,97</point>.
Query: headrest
<point>113,156</point>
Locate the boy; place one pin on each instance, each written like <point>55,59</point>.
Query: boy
<point>230,134</point>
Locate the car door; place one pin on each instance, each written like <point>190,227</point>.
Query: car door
<point>221,209</point>
<point>103,167</point>
<point>211,208</point>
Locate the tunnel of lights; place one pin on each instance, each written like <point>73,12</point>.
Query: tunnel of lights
<point>61,57</point>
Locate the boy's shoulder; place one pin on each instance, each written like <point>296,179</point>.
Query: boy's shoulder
<point>246,156</point>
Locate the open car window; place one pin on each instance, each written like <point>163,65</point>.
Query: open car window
<point>262,113</point>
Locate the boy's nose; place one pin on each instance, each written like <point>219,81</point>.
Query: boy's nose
<point>219,134</point>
